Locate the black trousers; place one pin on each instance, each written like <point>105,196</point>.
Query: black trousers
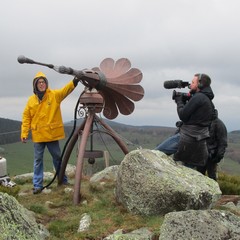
<point>191,151</point>
<point>210,168</point>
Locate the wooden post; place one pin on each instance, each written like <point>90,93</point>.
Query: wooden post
<point>106,158</point>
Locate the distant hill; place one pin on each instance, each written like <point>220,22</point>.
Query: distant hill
<point>133,136</point>
<point>9,131</point>
<point>144,136</point>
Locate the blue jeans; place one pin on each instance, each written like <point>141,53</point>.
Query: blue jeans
<point>170,145</point>
<point>54,149</point>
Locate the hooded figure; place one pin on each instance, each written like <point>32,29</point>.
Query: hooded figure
<point>36,78</point>
<point>42,116</point>
<point>39,75</point>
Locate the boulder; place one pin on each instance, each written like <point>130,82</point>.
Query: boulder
<point>151,183</point>
<point>109,173</point>
<point>47,176</point>
<point>16,222</point>
<point>202,224</point>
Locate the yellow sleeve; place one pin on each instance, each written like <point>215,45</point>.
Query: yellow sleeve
<point>26,122</point>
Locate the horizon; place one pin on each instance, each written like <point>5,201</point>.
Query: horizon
<point>105,119</point>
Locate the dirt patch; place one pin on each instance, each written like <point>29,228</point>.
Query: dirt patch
<point>228,198</point>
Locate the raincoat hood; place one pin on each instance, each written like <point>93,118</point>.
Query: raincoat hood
<point>208,92</point>
<point>39,75</point>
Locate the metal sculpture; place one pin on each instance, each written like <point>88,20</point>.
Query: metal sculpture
<point>112,87</point>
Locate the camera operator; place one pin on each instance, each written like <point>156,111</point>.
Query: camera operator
<point>189,144</point>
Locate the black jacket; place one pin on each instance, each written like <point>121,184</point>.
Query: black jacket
<point>198,110</point>
<point>217,143</point>
<point>197,114</point>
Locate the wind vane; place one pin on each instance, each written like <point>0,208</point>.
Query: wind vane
<point>112,87</point>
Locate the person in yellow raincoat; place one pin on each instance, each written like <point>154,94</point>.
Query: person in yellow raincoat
<point>42,116</point>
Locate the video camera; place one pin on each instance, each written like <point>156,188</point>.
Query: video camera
<point>178,84</point>
<point>185,96</point>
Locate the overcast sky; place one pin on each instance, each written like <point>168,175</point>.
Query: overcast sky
<point>165,39</point>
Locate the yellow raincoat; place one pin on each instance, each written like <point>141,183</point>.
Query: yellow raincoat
<point>44,117</point>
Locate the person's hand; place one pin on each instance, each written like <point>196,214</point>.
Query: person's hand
<point>218,158</point>
<point>179,124</point>
<point>76,80</point>
<point>24,140</point>
<point>178,99</point>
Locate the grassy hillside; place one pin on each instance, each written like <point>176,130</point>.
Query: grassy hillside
<point>20,156</point>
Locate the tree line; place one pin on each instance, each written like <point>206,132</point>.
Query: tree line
<point>9,131</point>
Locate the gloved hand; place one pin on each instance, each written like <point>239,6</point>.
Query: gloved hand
<point>81,74</point>
<point>178,99</point>
<point>179,124</point>
<point>24,140</point>
<point>77,78</point>
<point>218,158</point>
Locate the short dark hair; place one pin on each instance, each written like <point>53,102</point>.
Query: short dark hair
<point>203,79</point>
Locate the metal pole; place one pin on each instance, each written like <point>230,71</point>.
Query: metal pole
<point>80,159</point>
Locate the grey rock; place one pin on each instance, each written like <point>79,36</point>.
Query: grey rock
<point>200,225</point>
<point>230,206</point>
<point>109,173</point>
<point>151,183</point>
<point>84,222</point>
<point>68,190</point>
<point>139,234</point>
<point>70,170</point>
<point>16,222</point>
<point>47,176</point>
<point>28,176</point>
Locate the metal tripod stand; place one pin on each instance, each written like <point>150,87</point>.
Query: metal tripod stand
<point>92,103</point>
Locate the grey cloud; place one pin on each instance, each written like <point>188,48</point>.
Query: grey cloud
<point>164,39</point>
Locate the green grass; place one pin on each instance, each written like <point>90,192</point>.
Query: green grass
<point>20,156</point>
<point>62,217</point>
<point>229,184</point>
